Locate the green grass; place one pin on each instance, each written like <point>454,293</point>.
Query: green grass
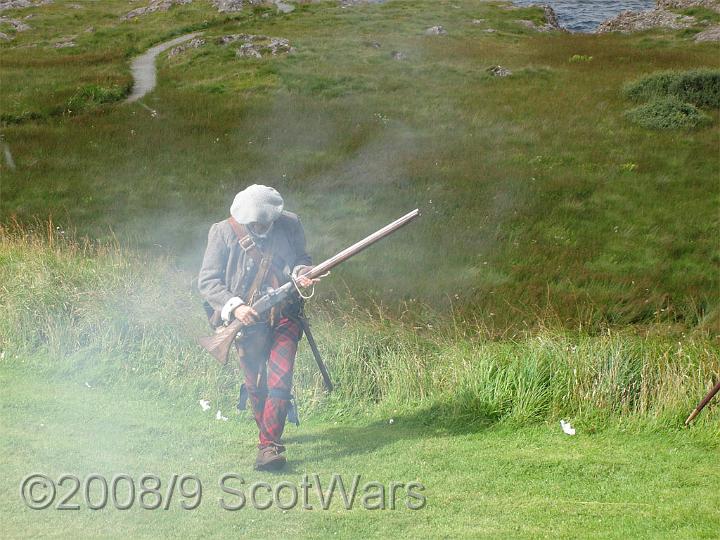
<point>566,266</point>
<point>492,482</point>
<point>120,316</point>
<point>528,201</point>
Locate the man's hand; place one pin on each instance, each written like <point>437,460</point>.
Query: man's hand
<point>303,281</point>
<point>245,314</point>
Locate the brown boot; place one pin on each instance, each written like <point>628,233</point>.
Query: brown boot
<point>270,458</point>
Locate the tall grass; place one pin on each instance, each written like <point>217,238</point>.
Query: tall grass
<point>106,314</point>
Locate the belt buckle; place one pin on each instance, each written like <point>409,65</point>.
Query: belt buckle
<point>246,243</point>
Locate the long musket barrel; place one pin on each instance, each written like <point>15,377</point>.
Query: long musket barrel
<point>702,403</point>
<point>219,344</point>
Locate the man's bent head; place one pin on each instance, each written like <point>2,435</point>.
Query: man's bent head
<point>257,204</point>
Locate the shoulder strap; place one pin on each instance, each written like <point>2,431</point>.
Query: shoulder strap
<point>263,261</point>
<point>245,240</point>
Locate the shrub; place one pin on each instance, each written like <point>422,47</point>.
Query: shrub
<point>701,87</point>
<point>93,95</point>
<point>668,113</point>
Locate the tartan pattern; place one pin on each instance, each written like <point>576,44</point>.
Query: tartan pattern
<point>268,363</point>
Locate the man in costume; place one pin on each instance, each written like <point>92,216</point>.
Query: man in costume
<point>260,246</point>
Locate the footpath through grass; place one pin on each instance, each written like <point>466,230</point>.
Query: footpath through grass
<point>522,483</point>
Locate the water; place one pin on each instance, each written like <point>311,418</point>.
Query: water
<point>584,15</point>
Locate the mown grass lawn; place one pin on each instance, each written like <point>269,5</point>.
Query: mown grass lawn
<point>497,482</point>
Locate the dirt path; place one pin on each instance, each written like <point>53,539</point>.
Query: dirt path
<point>143,67</point>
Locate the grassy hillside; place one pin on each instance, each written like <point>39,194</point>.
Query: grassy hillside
<point>538,193</point>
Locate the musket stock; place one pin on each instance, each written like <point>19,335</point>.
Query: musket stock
<point>219,344</point>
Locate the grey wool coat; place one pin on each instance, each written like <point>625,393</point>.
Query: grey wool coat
<point>227,270</point>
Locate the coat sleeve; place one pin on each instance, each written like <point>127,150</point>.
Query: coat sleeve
<point>211,279</point>
<point>302,258</point>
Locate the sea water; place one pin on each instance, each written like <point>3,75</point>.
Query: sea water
<point>585,16</point>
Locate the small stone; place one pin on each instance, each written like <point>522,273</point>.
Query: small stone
<point>478,21</point>
<point>397,55</point>
<point>490,30</point>
<point>499,71</point>
<point>373,44</point>
<point>526,23</point>
<point>65,42</point>
<point>283,7</point>
<point>436,31</point>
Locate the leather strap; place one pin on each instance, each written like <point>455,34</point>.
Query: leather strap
<point>245,240</point>
<point>263,261</point>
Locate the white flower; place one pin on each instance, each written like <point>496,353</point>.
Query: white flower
<point>205,404</point>
<point>219,416</point>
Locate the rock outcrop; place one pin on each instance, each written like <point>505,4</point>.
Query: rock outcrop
<point>20,4</point>
<point>16,24</point>
<point>685,4</point>
<point>637,21</point>
<point>551,21</point>
<point>194,43</point>
<point>256,46</point>
<point>153,6</point>
<point>348,3</point>
<point>711,34</point>
<point>230,6</point>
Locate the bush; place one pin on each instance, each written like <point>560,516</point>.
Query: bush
<point>92,95</point>
<point>668,113</point>
<point>701,87</point>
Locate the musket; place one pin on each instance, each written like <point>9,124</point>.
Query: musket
<point>702,403</point>
<point>219,344</point>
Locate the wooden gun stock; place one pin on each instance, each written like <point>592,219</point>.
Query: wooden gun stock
<point>219,343</point>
